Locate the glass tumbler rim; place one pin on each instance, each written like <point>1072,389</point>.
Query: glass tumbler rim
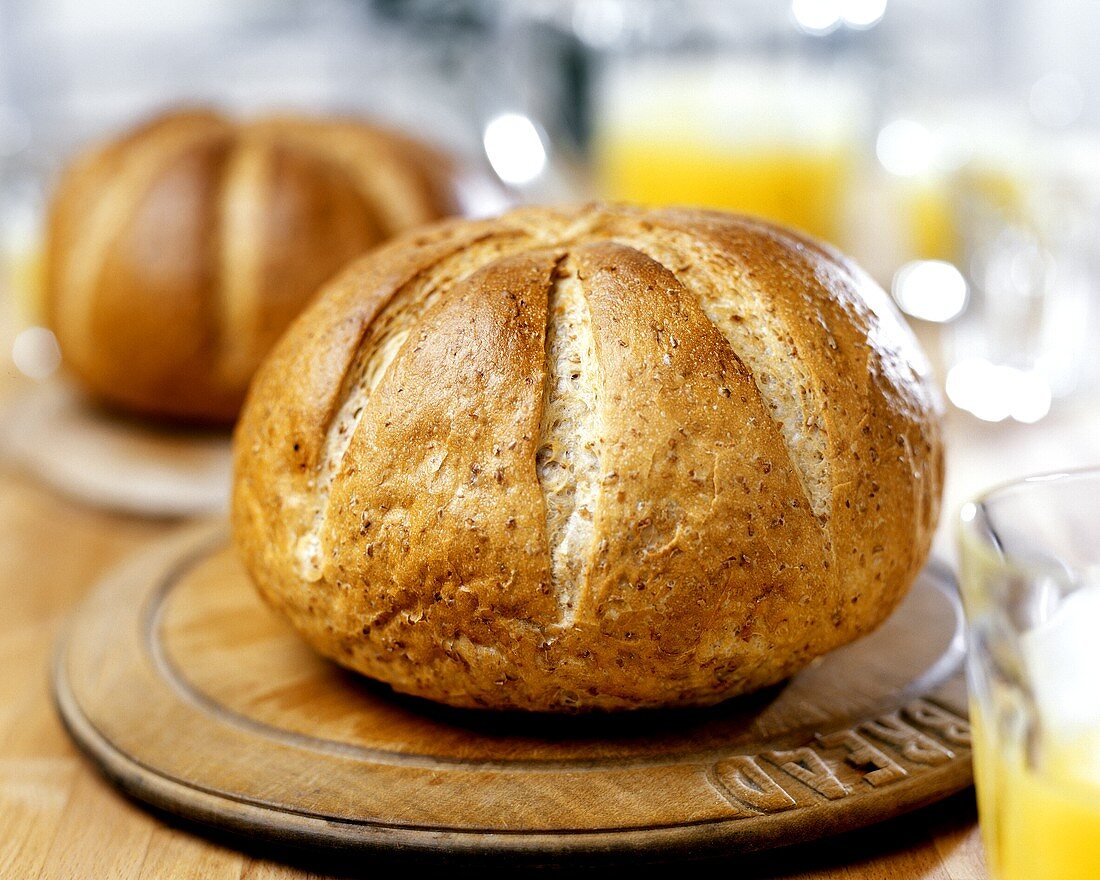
<point>999,489</point>
<point>978,537</point>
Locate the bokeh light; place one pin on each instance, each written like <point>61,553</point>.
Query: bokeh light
<point>514,148</point>
<point>905,147</point>
<point>995,392</point>
<point>35,353</point>
<point>932,290</point>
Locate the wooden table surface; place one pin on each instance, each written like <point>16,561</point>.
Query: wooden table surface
<point>60,819</point>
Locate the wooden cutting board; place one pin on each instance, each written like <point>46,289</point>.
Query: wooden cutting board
<point>190,695</point>
<point>109,461</point>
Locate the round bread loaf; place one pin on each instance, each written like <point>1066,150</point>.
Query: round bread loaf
<point>178,254</point>
<point>596,459</point>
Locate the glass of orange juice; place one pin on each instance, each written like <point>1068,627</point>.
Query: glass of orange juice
<point>1030,573</point>
<point>777,138</point>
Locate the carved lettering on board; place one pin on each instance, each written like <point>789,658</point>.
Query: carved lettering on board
<point>914,745</point>
<point>883,750</point>
<point>862,754</point>
<point>946,725</point>
<point>809,768</point>
<point>748,783</point>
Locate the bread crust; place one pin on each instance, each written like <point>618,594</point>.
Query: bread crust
<point>178,254</point>
<point>663,537</point>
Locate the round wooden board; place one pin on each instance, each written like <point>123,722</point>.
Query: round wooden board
<point>113,462</point>
<point>191,695</point>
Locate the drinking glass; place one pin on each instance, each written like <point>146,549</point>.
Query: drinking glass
<point>1024,336</point>
<point>1030,574</point>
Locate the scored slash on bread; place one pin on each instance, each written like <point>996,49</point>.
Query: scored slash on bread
<point>597,458</point>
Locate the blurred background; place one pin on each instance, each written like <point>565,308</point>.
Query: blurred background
<point>951,147</point>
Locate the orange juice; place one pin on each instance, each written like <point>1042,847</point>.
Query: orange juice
<point>802,187</point>
<point>933,225</point>
<point>22,266</point>
<point>1041,824</point>
<point>1038,767</point>
<point>24,275</point>
<point>931,205</point>
<point>776,139</point>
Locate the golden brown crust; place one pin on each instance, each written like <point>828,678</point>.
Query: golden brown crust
<point>538,462</point>
<point>177,254</point>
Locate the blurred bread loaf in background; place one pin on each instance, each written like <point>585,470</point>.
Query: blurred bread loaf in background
<point>603,458</point>
<point>179,252</point>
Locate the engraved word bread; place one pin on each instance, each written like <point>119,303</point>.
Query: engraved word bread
<point>602,458</point>
<point>178,254</point>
